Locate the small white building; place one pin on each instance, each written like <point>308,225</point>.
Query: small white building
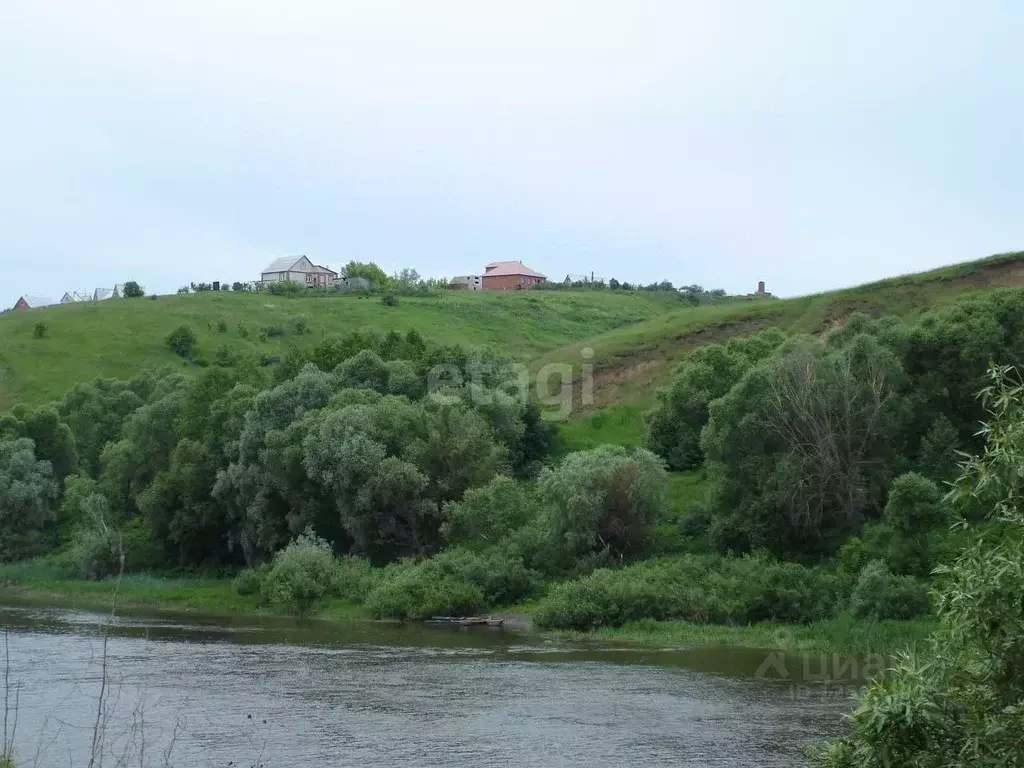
<point>298,269</point>
<point>102,294</point>
<point>466,283</point>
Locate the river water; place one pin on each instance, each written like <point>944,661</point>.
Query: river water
<point>283,693</point>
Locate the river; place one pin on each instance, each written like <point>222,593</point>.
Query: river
<point>280,693</point>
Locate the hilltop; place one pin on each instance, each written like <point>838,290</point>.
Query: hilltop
<point>636,337</point>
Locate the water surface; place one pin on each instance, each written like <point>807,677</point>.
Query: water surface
<point>286,693</point>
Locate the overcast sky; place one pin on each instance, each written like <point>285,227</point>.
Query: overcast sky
<point>809,144</point>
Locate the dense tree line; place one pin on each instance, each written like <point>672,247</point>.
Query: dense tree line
<point>804,440</point>
<point>226,467</point>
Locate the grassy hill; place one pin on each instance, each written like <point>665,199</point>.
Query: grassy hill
<point>632,362</point>
<point>119,338</point>
<point>635,338</point>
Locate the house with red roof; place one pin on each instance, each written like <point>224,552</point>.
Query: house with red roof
<point>510,276</point>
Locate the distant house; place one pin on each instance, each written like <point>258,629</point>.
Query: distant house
<point>466,283</point>
<point>32,302</point>
<point>102,294</point>
<point>298,269</point>
<point>510,276</point>
<point>352,283</point>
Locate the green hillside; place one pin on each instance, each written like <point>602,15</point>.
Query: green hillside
<point>636,337</point>
<point>122,337</point>
<point>631,361</point>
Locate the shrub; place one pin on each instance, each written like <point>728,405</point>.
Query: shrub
<point>249,581</point>
<point>182,341</point>
<point>39,330</point>
<point>915,504</point>
<point>271,332</point>
<point>701,588</point>
<point>389,299</point>
<point>879,594</point>
<point>225,356</point>
<point>302,574</point>
<point>300,324</point>
<point>405,593</point>
<point>243,330</point>
<point>221,325</point>
<point>132,290</point>
<point>604,499</point>
<point>353,579</point>
<point>285,288</point>
<point>456,582</point>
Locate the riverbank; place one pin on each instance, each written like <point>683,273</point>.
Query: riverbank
<point>217,597</point>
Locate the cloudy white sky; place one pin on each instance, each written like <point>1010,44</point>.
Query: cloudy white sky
<point>809,144</point>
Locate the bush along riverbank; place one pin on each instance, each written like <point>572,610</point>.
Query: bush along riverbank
<point>212,598</point>
<point>351,473</point>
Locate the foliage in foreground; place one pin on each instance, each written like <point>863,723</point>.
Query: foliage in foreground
<point>961,704</point>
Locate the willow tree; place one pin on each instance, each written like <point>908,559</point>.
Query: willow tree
<point>960,702</point>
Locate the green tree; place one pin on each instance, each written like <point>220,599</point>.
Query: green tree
<point>132,290</point>
<point>357,454</point>
<point>674,424</point>
<point>130,464</point>
<point>182,341</point>
<point>264,488</point>
<point>28,494</point>
<point>490,514</point>
<point>800,451</point>
<point>53,439</point>
<point>604,500</point>
<point>958,703</point>
<point>378,277</point>
<point>95,411</point>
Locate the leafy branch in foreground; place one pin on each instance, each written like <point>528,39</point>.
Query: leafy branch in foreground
<point>960,703</point>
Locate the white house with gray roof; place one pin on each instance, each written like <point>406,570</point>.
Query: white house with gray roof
<point>298,269</point>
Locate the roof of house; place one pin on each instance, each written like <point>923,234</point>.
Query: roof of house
<point>510,268</point>
<point>326,269</point>
<point>38,301</point>
<point>283,264</point>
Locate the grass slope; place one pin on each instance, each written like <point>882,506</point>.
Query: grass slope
<point>632,362</point>
<point>120,338</point>
<point>635,338</point>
